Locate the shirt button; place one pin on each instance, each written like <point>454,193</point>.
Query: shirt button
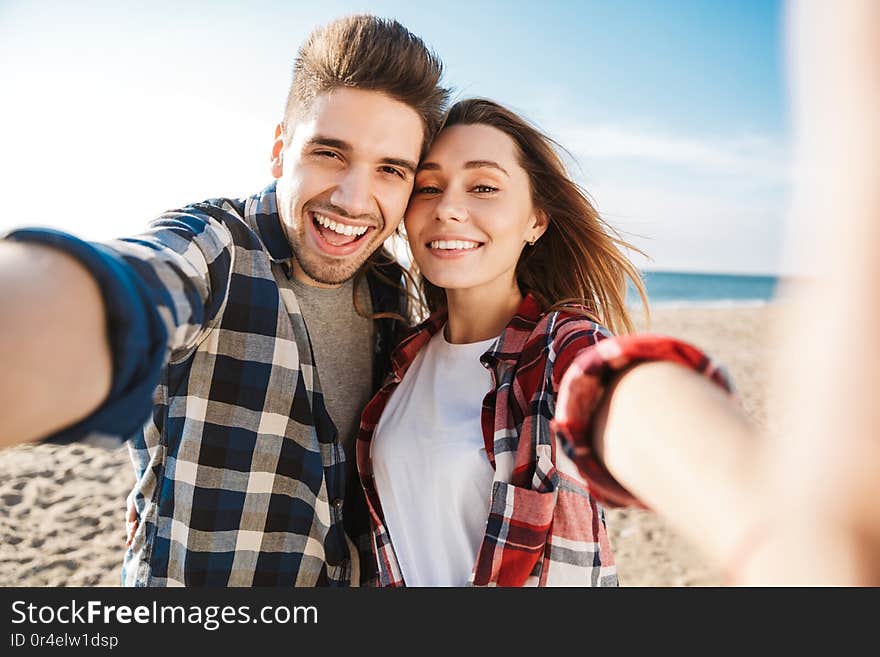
<point>336,503</point>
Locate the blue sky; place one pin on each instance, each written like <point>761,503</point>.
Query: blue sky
<point>674,112</point>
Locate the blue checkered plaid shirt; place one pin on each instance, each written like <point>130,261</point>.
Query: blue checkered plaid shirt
<point>241,478</point>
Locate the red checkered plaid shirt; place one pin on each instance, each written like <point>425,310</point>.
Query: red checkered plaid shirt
<point>546,524</point>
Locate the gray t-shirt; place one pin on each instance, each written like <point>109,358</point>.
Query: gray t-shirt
<point>342,343</point>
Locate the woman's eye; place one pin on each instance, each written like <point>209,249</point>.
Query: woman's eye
<point>485,189</point>
<point>427,189</point>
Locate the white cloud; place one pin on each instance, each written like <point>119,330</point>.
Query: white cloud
<point>686,228</point>
<point>690,202</point>
<point>755,157</point>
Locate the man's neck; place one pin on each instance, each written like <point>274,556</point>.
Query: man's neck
<point>300,275</point>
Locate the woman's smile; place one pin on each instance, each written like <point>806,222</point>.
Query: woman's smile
<point>452,246</point>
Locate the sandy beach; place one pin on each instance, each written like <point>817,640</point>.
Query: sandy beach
<point>62,508</point>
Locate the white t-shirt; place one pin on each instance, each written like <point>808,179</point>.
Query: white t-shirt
<point>432,474</point>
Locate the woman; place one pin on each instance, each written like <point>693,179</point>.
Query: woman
<point>511,414</point>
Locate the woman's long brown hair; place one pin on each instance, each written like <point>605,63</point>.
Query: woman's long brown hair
<point>577,264</point>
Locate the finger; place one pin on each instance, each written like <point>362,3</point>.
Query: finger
<point>130,530</point>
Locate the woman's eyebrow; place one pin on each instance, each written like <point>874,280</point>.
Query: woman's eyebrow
<point>479,164</point>
<point>471,164</point>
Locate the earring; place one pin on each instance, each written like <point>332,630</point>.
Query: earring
<point>532,241</point>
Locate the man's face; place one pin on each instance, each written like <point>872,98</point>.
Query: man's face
<point>344,180</point>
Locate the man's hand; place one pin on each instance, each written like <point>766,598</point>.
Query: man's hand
<point>131,521</point>
<point>55,355</point>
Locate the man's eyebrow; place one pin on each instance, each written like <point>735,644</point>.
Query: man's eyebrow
<point>319,140</point>
<point>471,164</point>
<point>409,165</point>
<point>345,147</point>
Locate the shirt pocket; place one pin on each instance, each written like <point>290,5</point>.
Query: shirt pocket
<point>519,522</point>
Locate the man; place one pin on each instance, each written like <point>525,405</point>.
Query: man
<point>239,331</point>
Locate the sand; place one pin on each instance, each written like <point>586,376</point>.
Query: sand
<point>62,508</point>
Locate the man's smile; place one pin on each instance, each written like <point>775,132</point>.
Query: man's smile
<point>337,236</point>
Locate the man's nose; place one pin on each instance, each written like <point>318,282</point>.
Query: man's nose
<point>354,193</point>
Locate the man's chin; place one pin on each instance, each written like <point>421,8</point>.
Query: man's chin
<point>332,272</point>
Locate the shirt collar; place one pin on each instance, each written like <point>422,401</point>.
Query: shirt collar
<point>261,214</point>
<point>513,339</point>
<point>507,348</point>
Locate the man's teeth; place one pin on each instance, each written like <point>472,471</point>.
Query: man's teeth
<point>453,245</point>
<point>342,229</point>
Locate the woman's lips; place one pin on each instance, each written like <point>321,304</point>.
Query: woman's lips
<point>452,248</point>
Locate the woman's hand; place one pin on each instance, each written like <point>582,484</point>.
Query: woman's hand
<point>825,460</point>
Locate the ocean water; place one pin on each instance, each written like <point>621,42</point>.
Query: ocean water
<point>687,289</point>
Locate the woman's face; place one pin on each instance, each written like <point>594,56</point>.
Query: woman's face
<point>471,211</point>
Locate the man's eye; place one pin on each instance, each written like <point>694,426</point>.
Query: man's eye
<point>427,189</point>
<point>393,171</point>
<point>324,153</point>
<point>485,189</point>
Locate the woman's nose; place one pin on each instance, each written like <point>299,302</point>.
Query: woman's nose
<point>451,208</point>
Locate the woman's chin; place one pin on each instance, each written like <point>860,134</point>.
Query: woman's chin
<point>449,278</point>
<point>448,284</point>
<point>454,276</point>
<point>459,278</point>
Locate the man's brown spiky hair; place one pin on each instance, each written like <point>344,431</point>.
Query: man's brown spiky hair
<point>370,53</point>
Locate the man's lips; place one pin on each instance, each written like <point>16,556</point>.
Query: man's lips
<point>336,236</point>
<point>340,225</point>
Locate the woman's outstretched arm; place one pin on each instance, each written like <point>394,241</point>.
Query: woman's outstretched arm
<point>681,445</point>
<point>650,420</point>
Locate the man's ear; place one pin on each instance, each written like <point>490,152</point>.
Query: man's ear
<point>277,151</point>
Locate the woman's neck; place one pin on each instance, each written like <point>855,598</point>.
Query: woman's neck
<point>481,313</point>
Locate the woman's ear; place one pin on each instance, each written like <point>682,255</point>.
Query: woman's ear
<point>539,224</point>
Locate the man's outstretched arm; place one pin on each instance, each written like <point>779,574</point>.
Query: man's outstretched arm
<point>54,350</point>
<point>86,328</point>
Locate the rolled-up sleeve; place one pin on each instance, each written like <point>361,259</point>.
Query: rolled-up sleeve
<point>162,291</point>
<point>581,386</point>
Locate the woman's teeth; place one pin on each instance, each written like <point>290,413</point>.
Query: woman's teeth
<point>453,245</point>
<point>342,229</point>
